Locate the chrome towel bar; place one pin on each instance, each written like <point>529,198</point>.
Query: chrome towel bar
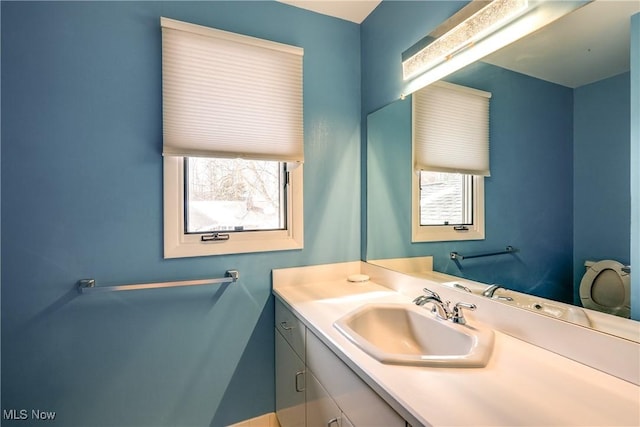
<point>89,285</point>
<point>456,256</point>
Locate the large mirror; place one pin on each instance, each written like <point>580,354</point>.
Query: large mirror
<point>559,190</point>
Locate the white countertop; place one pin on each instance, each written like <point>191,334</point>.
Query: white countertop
<point>521,385</point>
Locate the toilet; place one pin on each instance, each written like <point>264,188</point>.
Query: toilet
<point>605,287</point>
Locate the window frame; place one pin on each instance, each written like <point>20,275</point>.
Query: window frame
<point>443,233</point>
<point>179,244</point>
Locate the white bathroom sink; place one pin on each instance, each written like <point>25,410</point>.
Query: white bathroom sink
<point>406,334</point>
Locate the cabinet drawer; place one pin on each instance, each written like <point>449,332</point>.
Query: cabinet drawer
<point>355,398</point>
<point>291,328</point>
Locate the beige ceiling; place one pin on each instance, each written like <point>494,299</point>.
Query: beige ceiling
<point>350,10</point>
<point>585,46</point>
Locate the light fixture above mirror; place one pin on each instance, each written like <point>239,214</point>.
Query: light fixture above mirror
<point>478,29</point>
<point>489,17</point>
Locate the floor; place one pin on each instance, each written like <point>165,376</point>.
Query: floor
<point>266,420</point>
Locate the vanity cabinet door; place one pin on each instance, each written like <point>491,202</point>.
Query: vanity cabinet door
<point>292,329</point>
<point>359,402</point>
<point>346,422</point>
<point>290,385</point>
<point>322,411</point>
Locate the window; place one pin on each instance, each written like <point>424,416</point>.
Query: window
<point>232,142</point>
<point>234,195</point>
<point>451,158</point>
<point>446,198</point>
<point>447,206</point>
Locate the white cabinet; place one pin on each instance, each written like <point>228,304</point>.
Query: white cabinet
<point>291,328</point>
<point>322,411</point>
<point>314,388</point>
<point>346,422</point>
<point>290,368</point>
<point>290,385</point>
<point>363,406</point>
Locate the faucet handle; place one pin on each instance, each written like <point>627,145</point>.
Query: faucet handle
<point>420,300</point>
<point>428,292</point>
<point>466,305</point>
<point>459,286</point>
<point>458,315</point>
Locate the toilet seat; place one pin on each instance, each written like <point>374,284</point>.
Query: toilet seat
<point>606,288</point>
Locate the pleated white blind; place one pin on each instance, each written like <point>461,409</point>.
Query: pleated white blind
<point>229,95</point>
<point>451,129</point>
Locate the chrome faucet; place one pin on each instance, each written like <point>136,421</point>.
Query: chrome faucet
<point>491,290</point>
<point>442,309</point>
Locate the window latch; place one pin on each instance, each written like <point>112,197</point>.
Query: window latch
<point>214,237</point>
<point>461,228</point>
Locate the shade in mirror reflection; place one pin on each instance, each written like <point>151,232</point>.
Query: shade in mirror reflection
<point>559,189</point>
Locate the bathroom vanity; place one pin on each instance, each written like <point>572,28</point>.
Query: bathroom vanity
<point>302,358</point>
<point>325,378</point>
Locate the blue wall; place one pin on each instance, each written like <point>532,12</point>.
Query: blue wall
<point>601,215</point>
<point>635,164</point>
<point>82,197</point>
<point>389,164</point>
<point>392,28</point>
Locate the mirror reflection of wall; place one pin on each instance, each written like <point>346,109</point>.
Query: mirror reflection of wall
<point>527,198</point>
<point>546,137</point>
<point>559,189</point>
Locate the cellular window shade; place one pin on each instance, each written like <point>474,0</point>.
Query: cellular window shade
<point>451,129</point>
<point>229,95</point>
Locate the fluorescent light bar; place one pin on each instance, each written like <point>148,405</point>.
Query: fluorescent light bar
<point>477,26</point>
<point>540,13</point>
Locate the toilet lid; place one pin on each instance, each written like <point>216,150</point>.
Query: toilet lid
<point>605,287</point>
